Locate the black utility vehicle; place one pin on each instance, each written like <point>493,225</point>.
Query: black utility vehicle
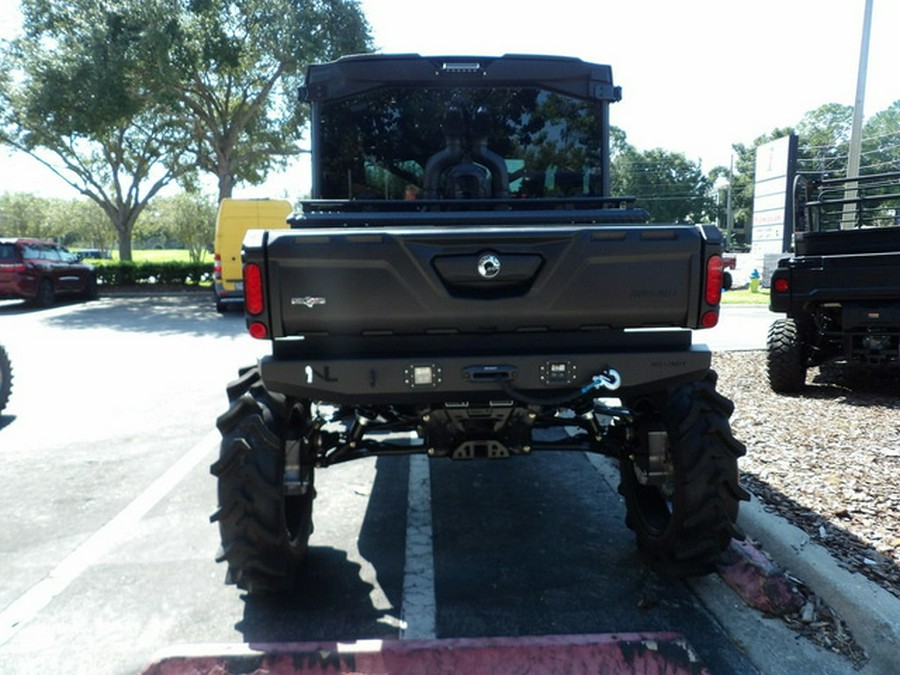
<point>840,290</point>
<point>463,278</point>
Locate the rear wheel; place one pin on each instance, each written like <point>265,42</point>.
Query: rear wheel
<point>786,357</point>
<point>727,281</point>
<point>265,488</point>
<point>45,295</point>
<point>680,478</point>
<point>5,378</point>
<point>90,289</point>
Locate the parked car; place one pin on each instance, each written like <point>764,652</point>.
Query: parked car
<point>40,271</point>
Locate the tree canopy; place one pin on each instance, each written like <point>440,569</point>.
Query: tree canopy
<point>235,66</point>
<point>824,145</point>
<point>76,99</point>
<point>121,99</point>
<point>668,185</point>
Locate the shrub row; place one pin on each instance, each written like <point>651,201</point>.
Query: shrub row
<point>114,273</point>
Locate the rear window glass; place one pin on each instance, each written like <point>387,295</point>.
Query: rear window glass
<point>377,146</point>
<point>8,253</point>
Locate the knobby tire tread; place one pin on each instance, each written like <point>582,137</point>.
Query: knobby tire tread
<point>263,551</point>
<point>6,378</point>
<point>786,357</point>
<point>702,512</point>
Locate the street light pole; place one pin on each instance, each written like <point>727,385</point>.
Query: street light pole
<point>848,218</point>
<point>729,215</point>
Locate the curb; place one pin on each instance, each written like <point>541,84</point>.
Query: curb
<point>871,613</point>
<point>152,291</point>
<point>623,653</point>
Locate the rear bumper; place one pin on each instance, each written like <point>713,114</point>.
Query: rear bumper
<point>437,377</point>
<point>20,288</point>
<point>226,296</point>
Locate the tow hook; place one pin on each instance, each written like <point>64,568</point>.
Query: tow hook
<point>609,379</point>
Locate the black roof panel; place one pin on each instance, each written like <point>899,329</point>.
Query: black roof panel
<point>354,75</point>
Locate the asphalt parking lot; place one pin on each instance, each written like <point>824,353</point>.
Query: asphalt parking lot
<point>109,553</point>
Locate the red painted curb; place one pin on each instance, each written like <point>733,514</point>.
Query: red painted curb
<point>760,582</point>
<point>647,653</point>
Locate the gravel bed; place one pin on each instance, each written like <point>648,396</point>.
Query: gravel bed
<point>827,460</point>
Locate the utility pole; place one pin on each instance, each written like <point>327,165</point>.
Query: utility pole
<point>729,214</point>
<point>849,215</point>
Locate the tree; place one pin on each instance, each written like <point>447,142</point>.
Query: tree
<point>235,67</point>
<point>24,215</point>
<point>81,105</point>
<point>825,140</point>
<point>85,223</point>
<point>881,141</point>
<point>667,184</point>
<point>189,218</point>
<point>824,135</point>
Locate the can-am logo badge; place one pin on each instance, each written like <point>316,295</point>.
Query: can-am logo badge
<point>308,301</point>
<point>489,266</point>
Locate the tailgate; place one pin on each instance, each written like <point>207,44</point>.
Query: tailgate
<point>846,278</point>
<point>451,280</point>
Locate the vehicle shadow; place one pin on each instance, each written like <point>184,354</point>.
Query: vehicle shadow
<point>854,384</point>
<point>332,603</point>
<point>186,314</point>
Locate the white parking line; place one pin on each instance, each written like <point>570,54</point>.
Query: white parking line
<point>123,525</point>
<point>419,608</point>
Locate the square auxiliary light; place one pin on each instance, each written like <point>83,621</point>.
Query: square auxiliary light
<point>417,376</point>
<point>423,376</point>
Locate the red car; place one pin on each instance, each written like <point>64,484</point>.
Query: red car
<point>39,271</point>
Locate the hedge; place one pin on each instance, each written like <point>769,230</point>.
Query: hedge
<point>115,273</point>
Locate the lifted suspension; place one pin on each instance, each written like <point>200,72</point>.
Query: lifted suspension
<point>498,429</point>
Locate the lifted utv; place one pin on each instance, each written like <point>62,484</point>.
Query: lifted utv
<point>840,290</point>
<point>462,276</point>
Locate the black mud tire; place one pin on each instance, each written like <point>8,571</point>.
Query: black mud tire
<point>683,527</point>
<point>786,357</point>
<point>727,281</point>
<point>6,377</point>
<point>264,532</point>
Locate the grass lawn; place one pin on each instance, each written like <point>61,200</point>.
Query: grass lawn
<point>743,296</point>
<point>163,255</point>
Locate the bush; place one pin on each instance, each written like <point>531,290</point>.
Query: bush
<point>115,273</point>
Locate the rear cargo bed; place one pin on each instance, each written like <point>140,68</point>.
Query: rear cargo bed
<point>483,279</point>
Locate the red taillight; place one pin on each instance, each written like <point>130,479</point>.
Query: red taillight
<point>217,267</point>
<point>781,285</point>
<point>709,319</point>
<point>258,330</point>
<point>714,273</point>
<point>253,289</point>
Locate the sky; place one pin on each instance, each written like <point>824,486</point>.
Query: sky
<point>697,75</point>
